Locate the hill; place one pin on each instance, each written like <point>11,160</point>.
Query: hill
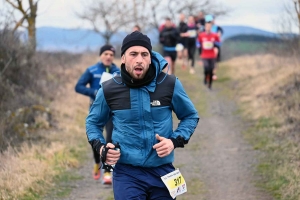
<point>231,31</point>
<point>79,40</point>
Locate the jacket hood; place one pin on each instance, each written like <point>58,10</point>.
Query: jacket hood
<point>159,63</point>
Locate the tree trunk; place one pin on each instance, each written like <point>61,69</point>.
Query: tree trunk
<point>107,39</point>
<point>32,24</point>
<point>32,33</point>
<point>298,15</point>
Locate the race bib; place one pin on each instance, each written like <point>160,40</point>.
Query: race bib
<point>175,183</point>
<point>192,33</point>
<point>208,45</point>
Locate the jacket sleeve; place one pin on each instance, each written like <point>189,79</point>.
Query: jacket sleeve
<point>177,35</point>
<point>186,113</point>
<point>82,82</point>
<point>98,116</point>
<point>161,37</point>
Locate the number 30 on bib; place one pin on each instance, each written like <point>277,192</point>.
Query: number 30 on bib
<point>175,183</point>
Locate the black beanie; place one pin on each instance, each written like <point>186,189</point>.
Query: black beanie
<point>107,47</point>
<point>136,38</point>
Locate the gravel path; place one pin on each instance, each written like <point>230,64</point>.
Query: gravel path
<point>226,161</point>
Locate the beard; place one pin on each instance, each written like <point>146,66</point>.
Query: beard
<point>137,72</point>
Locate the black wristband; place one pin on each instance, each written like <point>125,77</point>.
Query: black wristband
<point>178,142</point>
<point>96,145</point>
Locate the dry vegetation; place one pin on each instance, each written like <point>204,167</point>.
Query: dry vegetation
<point>268,88</point>
<point>29,169</point>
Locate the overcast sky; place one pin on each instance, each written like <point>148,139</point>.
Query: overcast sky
<point>261,14</point>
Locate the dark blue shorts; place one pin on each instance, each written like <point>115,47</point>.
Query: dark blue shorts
<point>171,54</point>
<point>140,183</point>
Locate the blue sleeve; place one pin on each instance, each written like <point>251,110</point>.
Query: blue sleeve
<point>81,88</point>
<point>185,112</point>
<point>97,118</point>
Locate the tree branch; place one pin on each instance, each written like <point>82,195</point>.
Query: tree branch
<point>19,23</point>
<point>12,4</point>
<point>6,66</point>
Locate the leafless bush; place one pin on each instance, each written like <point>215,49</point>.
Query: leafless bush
<point>28,83</point>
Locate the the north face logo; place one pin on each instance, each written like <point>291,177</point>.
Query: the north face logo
<point>155,103</point>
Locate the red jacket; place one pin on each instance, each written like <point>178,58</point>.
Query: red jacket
<point>208,42</point>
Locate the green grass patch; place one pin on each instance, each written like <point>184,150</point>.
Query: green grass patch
<point>62,188</point>
<point>64,162</point>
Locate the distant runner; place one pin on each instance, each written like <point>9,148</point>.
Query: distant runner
<point>218,30</point>
<point>92,77</point>
<point>183,52</point>
<point>208,42</point>
<point>169,38</point>
<point>191,42</point>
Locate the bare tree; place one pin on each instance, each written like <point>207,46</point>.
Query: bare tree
<point>171,8</point>
<point>108,17</point>
<point>192,7</point>
<point>291,16</point>
<point>297,11</point>
<point>28,19</point>
<point>146,13</point>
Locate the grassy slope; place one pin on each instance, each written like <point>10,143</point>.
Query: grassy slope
<point>268,95</point>
<point>36,168</point>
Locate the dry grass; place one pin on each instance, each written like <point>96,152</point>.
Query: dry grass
<point>268,89</point>
<point>259,78</point>
<point>28,172</point>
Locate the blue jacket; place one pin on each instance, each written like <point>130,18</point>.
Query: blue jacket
<point>139,113</point>
<point>92,76</point>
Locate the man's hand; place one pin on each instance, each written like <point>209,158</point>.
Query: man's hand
<point>164,147</point>
<point>112,155</point>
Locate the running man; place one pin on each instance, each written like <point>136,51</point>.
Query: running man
<point>208,42</point>
<point>200,21</point>
<point>142,100</point>
<point>92,77</point>
<point>169,38</point>
<point>218,30</point>
<point>191,42</point>
<point>183,53</point>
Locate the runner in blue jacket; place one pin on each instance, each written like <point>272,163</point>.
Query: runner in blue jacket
<point>92,77</point>
<point>141,102</point>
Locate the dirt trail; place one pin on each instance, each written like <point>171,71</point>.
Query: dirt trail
<point>217,163</point>
<point>87,188</point>
<point>225,160</point>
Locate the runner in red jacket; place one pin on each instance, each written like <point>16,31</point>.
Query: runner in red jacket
<point>208,41</point>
